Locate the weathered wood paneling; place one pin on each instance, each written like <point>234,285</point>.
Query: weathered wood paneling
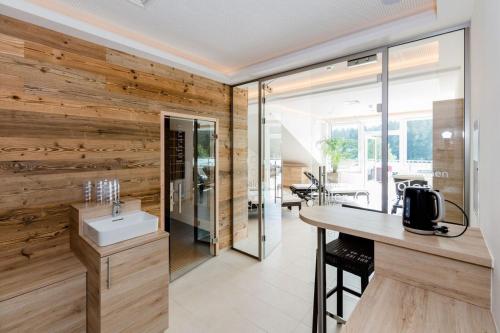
<point>11,46</point>
<point>70,111</point>
<point>240,156</point>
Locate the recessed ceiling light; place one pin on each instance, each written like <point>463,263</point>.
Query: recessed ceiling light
<point>140,3</point>
<point>329,68</point>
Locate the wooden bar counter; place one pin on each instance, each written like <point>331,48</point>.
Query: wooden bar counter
<point>421,283</point>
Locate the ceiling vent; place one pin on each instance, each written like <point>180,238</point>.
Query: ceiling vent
<point>140,3</point>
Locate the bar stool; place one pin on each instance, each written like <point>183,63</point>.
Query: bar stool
<point>351,254</point>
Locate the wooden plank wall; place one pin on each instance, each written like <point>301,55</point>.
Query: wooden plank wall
<point>72,111</point>
<point>240,156</point>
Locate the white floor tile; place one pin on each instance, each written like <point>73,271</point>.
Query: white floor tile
<point>288,303</point>
<point>236,293</point>
<point>266,316</point>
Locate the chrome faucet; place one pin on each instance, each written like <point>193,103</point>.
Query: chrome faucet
<point>115,197</point>
<point>116,208</point>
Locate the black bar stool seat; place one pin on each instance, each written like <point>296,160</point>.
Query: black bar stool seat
<point>351,254</point>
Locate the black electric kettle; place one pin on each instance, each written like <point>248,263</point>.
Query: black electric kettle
<point>423,208</point>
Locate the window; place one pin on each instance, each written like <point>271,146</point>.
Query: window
<point>345,141</point>
<point>393,142</point>
<point>419,140</point>
<point>374,149</point>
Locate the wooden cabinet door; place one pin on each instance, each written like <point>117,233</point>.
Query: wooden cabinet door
<point>134,289</point>
<point>56,308</point>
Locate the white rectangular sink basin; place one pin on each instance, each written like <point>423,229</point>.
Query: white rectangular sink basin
<point>107,230</point>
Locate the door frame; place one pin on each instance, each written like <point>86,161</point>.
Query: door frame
<point>164,114</point>
<point>263,123</point>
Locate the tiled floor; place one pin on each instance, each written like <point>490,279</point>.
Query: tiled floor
<point>235,293</point>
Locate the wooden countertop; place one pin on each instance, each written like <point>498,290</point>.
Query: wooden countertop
<point>388,229</point>
<point>38,273</point>
<point>390,306</point>
<point>105,251</point>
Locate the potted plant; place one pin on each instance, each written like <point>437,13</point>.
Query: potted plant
<point>336,149</point>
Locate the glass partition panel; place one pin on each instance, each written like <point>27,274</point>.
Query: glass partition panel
<point>426,119</point>
<point>272,168</point>
<point>331,116</point>
<point>246,201</point>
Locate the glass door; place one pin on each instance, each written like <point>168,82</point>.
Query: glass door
<point>379,121</point>
<point>204,176</point>
<point>272,169</point>
<point>189,190</point>
<point>247,201</point>
<point>327,116</point>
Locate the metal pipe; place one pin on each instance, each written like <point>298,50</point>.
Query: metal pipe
<point>321,281</point>
<point>260,171</point>
<point>385,129</point>
<point>324,184</point>
<point>467,120</point>
<point>319,187</point>
<point>109,273</point>
<point>180,198</point>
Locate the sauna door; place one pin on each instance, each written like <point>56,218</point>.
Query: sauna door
<point>189,191</point>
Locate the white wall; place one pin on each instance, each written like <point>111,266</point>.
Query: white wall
<point>308,131</point>
<point>485,74</point>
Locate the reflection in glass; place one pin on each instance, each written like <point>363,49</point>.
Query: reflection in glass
<point>330,116</point>
<point>246,229</point>
<point>205,180</point>
<point>271,182</point>
<point>189,192</point>
<point>426,100</point>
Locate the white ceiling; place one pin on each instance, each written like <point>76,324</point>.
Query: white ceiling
<point>420,73</point>
<point>236,40</point>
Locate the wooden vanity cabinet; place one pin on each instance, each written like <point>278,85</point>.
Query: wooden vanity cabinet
<point>127,282</point>
<point>134,289</point>
<point>127,286</point>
